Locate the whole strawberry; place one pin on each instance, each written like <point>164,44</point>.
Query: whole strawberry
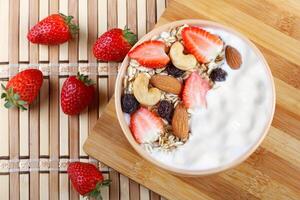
<point>114,44</point>
<point>87,179</point>
<point>22,89</point>
<point>54,29</point>
<point>76,94</point>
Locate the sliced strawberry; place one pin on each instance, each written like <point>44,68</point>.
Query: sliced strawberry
<point>150,54</point>
<point>145,126</point>
<point>194,91</point>
<point>202,44</point>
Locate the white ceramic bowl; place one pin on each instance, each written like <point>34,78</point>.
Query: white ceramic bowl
<point>173,169</point>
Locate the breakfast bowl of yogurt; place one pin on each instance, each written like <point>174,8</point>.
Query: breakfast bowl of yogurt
<point>194,97</point>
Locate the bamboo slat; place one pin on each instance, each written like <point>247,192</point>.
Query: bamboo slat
<point>134,190</point>
<point>4,179</point>
<point>4,147</point>
<point>44,119</point>
<point>43,12</point>
<point>83,31</point>
<point>39,142</point>
<point>74,132</point>
<point>23,42</point>
<point>44,186</point>
<point>112,22</point>
<point>124,188</point>
<point>54,114</point>
<point>24,187</point>
<point>13,114</point>
<point>64,141</point>
<point>144,193</point>
<point>141,10</point>
<point>34,112</point>
<point>64,188</point>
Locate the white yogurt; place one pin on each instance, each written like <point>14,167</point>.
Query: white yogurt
<point>238,112</point>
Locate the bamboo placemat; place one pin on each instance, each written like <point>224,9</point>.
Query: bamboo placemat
<point>37,144</point>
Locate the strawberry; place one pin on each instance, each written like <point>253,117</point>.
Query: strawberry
<point>151,54</point>
<point>145,126</point>
<point>76,94</point>
<point>202,44</point>
<point>114,44</point>
<point>22,89</point>
<point>86,179</point>
<point>54,29</point>
<point>194,91</point>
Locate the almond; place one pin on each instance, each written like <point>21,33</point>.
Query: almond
<point>166,83</point>
<point>180,122</point>
<point>233,57</point>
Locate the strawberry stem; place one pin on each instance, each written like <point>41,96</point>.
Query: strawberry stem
<point>12,99</point>
<point>129,36</point>
<point>96,193</point>
<point>74,28</point>
<point>85,79</point>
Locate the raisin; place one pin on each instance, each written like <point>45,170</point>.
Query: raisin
<point>173,71</point>
<point>218,74</point>
<point>165,110</point>
<point>129,103</point>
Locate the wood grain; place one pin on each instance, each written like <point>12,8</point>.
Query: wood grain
<point>272,172</point>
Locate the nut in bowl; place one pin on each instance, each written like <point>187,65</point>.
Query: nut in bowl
<point>194,97</point>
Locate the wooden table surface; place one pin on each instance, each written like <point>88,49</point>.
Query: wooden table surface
<point>273,171</point>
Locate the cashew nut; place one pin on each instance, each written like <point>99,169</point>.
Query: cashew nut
<point>179,59</point>
<point>142,93</point>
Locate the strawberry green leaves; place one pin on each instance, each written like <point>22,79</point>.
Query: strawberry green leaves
<point>12,99</point>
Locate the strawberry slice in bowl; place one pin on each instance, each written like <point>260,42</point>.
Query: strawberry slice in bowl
<point>202,44</point>
<point>194,91</point>
<point>145,126</point>
<point>150,54</point>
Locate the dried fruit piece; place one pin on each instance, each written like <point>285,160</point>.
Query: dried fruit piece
<point>165,110</point>
<point>142,93</point>
<point>145,126</point>
<point>201,43</point>
<point>233,57</point>
<point>174,71</point>
<point>166,83</point>
<point>180,122</point>
<point>218,74</point>
<point>180,60</point>
<point>129,103</point>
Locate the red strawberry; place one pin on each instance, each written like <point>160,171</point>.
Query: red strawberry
<point>54,29</point>
<point>86,179</point>
<point>114,44</point>
<point>150,54</point>
<point>23,88</point>
<point>194,91</point>
<point>76,94</point>
<point>145,126</point>
<point>202,44</point>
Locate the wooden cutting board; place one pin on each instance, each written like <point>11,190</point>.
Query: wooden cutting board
<point>273,171</point>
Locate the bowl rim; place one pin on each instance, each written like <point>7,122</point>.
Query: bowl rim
<point>146,155</point>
